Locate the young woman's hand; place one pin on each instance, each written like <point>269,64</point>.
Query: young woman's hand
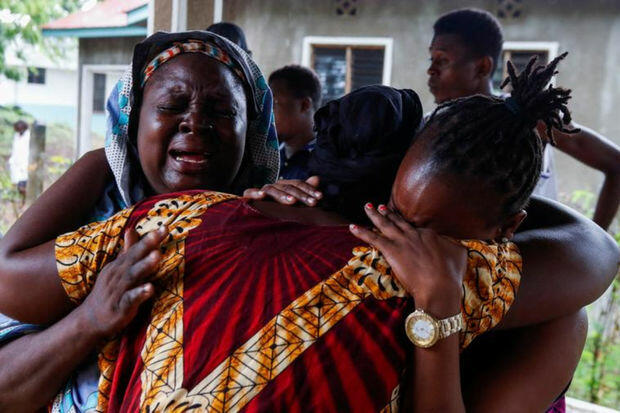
<point>429,266</point>
<point>122,286</point>
<point>289,191</point>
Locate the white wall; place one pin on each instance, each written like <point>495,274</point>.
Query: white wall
<point>60,88</point>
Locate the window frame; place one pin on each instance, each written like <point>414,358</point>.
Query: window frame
<point>347,43</point>
<point>97,110</point>
<point>40,75</point>
<point>530,46</point>
<point>85,108</point>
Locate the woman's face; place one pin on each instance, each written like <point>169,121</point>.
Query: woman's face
<point>192,125</point>
<point>443,202</point>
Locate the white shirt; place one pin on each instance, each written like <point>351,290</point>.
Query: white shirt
<point>18,162</point>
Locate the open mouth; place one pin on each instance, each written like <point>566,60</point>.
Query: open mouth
<point>193,158</point>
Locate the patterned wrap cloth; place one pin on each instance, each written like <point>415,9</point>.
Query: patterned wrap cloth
<point>312,323</point>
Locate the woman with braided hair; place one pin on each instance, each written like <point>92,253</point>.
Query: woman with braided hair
<point>473,168</point>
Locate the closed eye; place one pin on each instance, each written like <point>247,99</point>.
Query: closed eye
<point>171,108</point>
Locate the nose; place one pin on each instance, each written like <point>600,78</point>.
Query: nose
<point>196,123</point>
<point>432,70</point>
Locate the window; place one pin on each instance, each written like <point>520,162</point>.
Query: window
<point>520,53</point>
<point>347,64</point>
<point>99,92</point>
<point>36,75</point>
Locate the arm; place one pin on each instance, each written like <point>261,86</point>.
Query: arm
<point>430,268</point>
<point>434,382</point>
<point>19,288</point>
<point>34,367</point>
<point>596,151</point>
<point>27,265</point>
<point>33,278</point>
<point>538,361</point>
<point>63,207</point>
<point>568,262</point>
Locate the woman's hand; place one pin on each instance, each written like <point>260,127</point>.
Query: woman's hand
<point>122,286</point>
<point>289,191</point>
<point>429,266</point>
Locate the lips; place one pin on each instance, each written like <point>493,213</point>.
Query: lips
<point>191,157</point>
<point>190,160</point>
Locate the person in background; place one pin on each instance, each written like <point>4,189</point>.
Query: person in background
<point>465,51</point>
<point>231,32</point>
<point>18,162</point>
<point>296,96</point>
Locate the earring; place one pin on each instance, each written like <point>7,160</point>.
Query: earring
<point>504,240</point>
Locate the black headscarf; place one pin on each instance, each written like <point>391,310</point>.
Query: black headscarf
<point>361,140</point>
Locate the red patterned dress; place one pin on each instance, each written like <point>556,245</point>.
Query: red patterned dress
<point>257,314</point>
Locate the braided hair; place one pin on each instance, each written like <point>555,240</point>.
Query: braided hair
<point>494,140</point>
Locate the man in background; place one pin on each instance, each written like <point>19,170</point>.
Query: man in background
<point>296,96</point>
<point>465,51</point>
<point>18,162</point>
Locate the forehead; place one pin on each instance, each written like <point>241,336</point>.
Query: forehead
<point>448,43</point>
<point>280,88</point>
<point>195,71</point>
<point>426,195</point>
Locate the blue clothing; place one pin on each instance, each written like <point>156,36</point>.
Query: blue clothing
<point>296,167</point>
<point>11,329</point>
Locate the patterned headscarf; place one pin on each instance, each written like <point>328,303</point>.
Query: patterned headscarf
<point>261,159</point>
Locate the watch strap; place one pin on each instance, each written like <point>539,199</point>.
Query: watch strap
<point>450,325</point>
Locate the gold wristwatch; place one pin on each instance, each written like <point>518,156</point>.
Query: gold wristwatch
<point>424,330</point>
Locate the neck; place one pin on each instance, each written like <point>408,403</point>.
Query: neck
<point>486,88</point>
<point>296,143</point>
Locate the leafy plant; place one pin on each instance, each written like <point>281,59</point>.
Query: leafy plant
<point>21,22</point>
<point>597,378</point>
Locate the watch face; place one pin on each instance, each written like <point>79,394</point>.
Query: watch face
<point>422,329</point>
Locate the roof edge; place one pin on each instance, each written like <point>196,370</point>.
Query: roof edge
<point>94,32</point>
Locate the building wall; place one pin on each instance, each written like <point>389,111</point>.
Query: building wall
<point>59,88</point>
<point>590,31</point>
<point>100,51</point>
<point>162,14</point>
<point>107,51</point>
<point>199,14</point>
<point>54,101</point>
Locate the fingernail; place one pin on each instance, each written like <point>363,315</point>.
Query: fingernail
<point>382,208</point>
<point>353,227</point>
<point>311,201</point>
<point>290,198</point>
<point>318,194</point>
<point>261,193</point>
<point>369,205</point>
<point>162,230</point>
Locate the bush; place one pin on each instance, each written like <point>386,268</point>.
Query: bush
<point>597,378</point>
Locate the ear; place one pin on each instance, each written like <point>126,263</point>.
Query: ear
<point>306,104</point>
<point>510,225</point>
<point>484,67</point>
